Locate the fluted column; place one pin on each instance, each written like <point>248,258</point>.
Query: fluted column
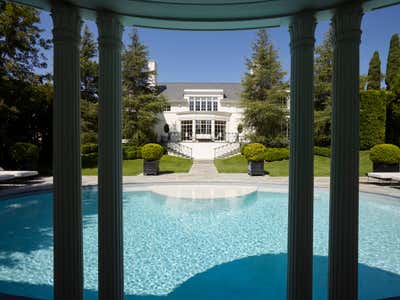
<point>343,227</point>
<point>68,255</point>
<point>110,159</point>
<point>301,175</point>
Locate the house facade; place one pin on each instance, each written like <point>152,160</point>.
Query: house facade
<point>200,112</point>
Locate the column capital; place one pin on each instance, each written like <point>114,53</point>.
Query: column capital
<point>110,29</point>
<point>346,23</point>
<point>67,23</point>
<point>302,28</point>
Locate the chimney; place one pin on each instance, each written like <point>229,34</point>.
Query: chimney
<point>152,67</point>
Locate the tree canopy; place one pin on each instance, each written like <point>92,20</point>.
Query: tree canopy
<point>393,61</point>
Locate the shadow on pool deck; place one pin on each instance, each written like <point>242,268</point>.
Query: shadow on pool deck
<point>254,278</point>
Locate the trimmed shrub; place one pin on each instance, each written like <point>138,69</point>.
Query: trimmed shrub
<point>152,152</point>
<point>254,152</point>
<point>89,160</point>
<point>89,148</point>
<point>322,151</point>
<point>131,152</point>
<point>385,154</point>
<point>242,149</point>
<point>25,155</point>
<point>372,117</point>
<point>276,154</point>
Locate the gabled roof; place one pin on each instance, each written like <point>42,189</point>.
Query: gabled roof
<point>175,90</point>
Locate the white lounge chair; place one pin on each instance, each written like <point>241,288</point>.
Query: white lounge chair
<point>10,175</point>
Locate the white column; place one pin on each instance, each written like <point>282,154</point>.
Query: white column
<point>213,130</point>
<point>301,175</point>
<point>111,284</point>
<point>68,255</point>
<point>193,130</point>
<point>343,230</point>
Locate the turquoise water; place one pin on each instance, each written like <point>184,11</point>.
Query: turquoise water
<point>198,249</point>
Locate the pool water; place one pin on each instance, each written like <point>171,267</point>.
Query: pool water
<point>198,249</point>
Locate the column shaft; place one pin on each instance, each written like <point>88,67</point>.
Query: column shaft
<point>343,229</point>
<point>301,175</point>
<point>68,254</point>
<point>110,159</point>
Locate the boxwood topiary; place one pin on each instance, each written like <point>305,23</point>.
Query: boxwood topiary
<point>89,148</point>
<point>254,152</point>
<point>385,154</point>
<point>276,154</point>
<point>152,152</point>
<point>24,154</point>
<point>242,149</point>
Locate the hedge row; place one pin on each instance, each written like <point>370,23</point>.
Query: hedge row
<point>322,151</point>
<point>276,154</point>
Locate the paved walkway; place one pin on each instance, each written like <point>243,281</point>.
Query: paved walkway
<point>203,168</point>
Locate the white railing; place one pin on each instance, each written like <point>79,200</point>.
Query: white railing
<point>226,150</point>
<point>181,149</point>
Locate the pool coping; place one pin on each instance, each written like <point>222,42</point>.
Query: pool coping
<point>320,183</point>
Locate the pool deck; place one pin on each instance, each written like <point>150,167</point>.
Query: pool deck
<point>226,179</point>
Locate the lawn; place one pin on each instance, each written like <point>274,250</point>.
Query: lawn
<point>168,164</point>
<point>238,164</point>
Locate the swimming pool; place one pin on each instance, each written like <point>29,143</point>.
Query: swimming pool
<point>228,248</point>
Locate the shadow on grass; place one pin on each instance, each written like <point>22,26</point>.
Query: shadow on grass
<point>255,278</point>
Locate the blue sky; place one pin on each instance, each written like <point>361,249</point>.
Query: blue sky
<point>220,56</point>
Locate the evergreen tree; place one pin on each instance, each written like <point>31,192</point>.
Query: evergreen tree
<point>323,71</point>
<point>89,87</point>
<point>374,73</point>
<point>89,67</point>
<point>393,61</point>
<point>264,93</point>
<point>141,100</point>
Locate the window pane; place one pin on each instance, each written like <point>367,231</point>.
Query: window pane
<point>215,106</point>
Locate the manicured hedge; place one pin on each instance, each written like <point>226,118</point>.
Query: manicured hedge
<point>132,152</point>
<point>89,148</point>
<point>385,153</point>
<point>152,152</point>
<point>24,154</point>
<point>276,154</point>
<point>254,152</point>
<point>372,117</point>
<point>89,160</point>
<point>322,151</point>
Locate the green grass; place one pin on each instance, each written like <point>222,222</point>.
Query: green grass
<point>168,164</point>
<point>238,164</point>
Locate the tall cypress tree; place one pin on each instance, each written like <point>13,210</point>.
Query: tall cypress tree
<point>374,73</point>
<point>393,61</point>
<point>264,93</point>
<point>141,100</point>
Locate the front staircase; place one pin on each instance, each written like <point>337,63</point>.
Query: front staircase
<point>227,150</point>
<point>203,150</point>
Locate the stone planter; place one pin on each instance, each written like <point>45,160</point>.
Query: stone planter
<point>151,167</point>
<point>382,167</point>
<point>255,168</point>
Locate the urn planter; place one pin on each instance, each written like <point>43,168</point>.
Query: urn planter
<point>383,167</point>
<point>151,167</point>
<point>255,168</point>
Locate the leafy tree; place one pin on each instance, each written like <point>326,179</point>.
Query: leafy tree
<point>264,93</point>
<point>374,73</point>
<point>141,100</point>
<point>393,114</point>
<point>25,97</point>
<point>393,61</point>
<point>89,87</point>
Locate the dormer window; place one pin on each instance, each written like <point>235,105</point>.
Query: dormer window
<point>203,103</point>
